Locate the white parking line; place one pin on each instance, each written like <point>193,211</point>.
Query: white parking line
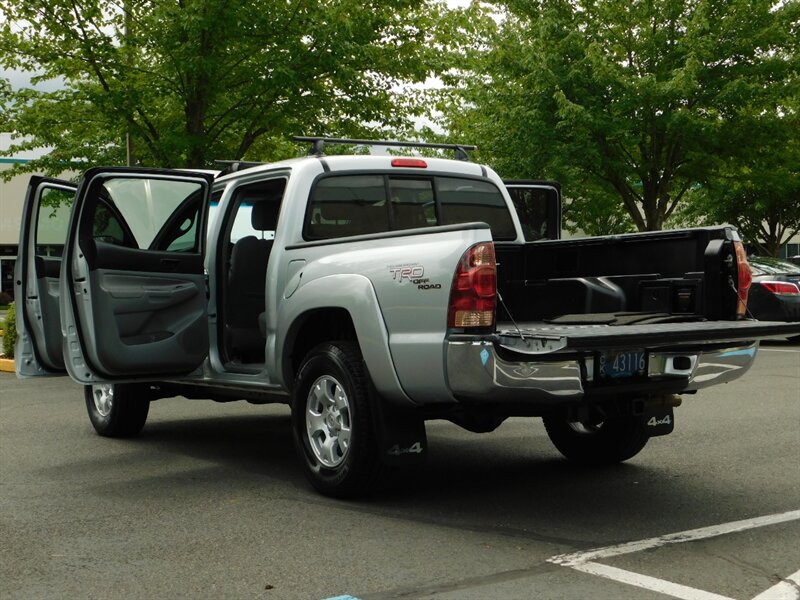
<point>788,589</point>
<point>661,586</point>
<point>569,560</point>
<point>793,351</point>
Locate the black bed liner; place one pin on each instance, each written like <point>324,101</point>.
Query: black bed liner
<point>601,336</point>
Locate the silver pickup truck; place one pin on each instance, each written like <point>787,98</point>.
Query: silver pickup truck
<point>372,293</point>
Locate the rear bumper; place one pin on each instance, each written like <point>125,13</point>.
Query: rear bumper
<point>478,374</point>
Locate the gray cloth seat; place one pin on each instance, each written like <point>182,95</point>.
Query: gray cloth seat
<point>246,286</point>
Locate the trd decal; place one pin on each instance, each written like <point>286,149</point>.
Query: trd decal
<point>415,275</point>
<point>402,273</point>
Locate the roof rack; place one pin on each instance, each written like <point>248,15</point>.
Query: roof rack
<point>317,144</point>
<point>232,166</point>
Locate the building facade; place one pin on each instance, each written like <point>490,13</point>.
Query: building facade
<point>12,196</point>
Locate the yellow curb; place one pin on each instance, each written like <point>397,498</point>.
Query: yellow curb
<point>7,365</point>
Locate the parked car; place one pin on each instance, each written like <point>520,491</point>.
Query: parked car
<point>775,292</point>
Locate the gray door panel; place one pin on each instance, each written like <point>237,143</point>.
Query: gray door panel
<point>137,307</point>
<point>50,325</point>
<point>142,325</point>
<point>43,233</point>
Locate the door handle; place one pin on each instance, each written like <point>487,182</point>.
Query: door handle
<point>170,264</point>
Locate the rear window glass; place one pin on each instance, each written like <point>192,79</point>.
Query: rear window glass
<point>343,206</point>
<point>465,201</point>
<point>347,205</point>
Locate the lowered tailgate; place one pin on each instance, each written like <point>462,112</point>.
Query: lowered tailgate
<point>536,338</point>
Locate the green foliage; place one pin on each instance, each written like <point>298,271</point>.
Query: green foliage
<point>629,104</point>
<point>10,332</point>
<point>198,80</point>
<point>759,191</point>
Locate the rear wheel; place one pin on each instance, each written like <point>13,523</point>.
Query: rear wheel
<point>332,424</point>
<point>607,441</point>
<point>116,410</point>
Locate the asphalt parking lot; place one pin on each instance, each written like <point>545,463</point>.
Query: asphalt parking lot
<point>210,502</point>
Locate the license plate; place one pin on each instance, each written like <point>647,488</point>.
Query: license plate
<point>631,363</point>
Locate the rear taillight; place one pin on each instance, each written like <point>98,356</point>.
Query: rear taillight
<point>745,278</point>
<point>474,291</point>
<point>780,287</point>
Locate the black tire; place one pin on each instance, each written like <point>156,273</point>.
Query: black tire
<point>333,430</point>
<point>116,410</point>
<point>611,441</point>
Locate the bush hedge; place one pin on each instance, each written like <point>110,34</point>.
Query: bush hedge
<point>10,332</point>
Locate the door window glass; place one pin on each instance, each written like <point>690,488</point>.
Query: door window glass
<point>537,211</point>
<point>108,228</point>
<point>53,220</point>
<point>146,213</point>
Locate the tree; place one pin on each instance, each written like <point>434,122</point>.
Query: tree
<point>766,218</point>
<point>760,192</point>
<point>636,101</point>
<point>188,81</point>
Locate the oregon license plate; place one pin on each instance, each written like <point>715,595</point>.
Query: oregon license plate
<point>630,363</point>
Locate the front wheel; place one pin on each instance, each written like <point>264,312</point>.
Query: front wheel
<point>609,441</point>
<point>332,424</point>
<point>115,409</point>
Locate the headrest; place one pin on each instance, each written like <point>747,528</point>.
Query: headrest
<point>264,216</point>
<point>337,211</point>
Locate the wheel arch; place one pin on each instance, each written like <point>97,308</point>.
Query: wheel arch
<point>312,328</point>
<point>333,308</point>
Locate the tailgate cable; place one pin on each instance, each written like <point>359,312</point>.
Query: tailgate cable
<point>735,291</point>
<point>508,312</point>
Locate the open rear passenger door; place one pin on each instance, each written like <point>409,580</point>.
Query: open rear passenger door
<point>134,301</point>
<point>538,206</point>
<point>43,232</point>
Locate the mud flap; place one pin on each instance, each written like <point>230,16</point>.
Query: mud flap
<point>400,435</point>
<point>659,421</point>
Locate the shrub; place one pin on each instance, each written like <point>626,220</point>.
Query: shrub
<point>5,298</point>
<point>10,332</point>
